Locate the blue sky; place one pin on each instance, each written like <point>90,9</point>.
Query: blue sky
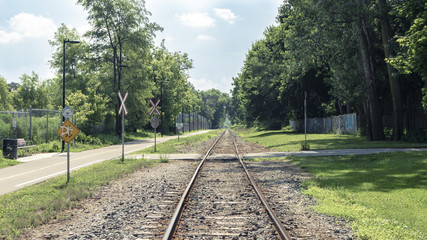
<point>216,34</point>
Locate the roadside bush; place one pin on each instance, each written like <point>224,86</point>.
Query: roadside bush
<point>4,131</point>
<point>287,129</point>
<point>54,146</point>
<point>87,139</point>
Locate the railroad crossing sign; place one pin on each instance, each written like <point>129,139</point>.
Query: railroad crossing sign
<point>122,103</point>
<point>154,109</point>
<point>67,131</point>
<point>154,121</point>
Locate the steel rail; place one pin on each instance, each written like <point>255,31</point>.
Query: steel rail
<point>278,225</point>
<point>178,211</point>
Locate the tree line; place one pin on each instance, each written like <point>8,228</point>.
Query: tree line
<point>363,56</point>
<point>117,54</point>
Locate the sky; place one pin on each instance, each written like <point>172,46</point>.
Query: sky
<point>216,34</point>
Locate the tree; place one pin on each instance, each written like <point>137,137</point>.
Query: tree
<point>364,34</point>
<point>85,92</point>
<point>114,22</point>
<point>391,71</point>
<point>89,110</point>
<point>169,72</point>
<point>215,103</point>
<point>332,50</point>
<point>78,65</point>
<point>412,56</point>
<point>31,93</point>
<point>13,86</point>
<point>5,96</point>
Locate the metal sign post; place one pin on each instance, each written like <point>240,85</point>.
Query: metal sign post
<point>305,120</point>
<point>155,120</point>
<point>179,126</point>
<point>155,123</point>
<point>67,131</point>
<point>123,111</point>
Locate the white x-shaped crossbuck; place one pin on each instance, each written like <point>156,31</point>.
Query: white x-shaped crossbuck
<point>154,107</point>
<point>122,104</point>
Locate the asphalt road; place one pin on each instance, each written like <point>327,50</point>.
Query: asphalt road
<point>39,168</point>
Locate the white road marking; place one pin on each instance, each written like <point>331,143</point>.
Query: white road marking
<point>38,179</point>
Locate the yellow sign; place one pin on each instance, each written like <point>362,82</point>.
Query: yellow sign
<point>67,131</point>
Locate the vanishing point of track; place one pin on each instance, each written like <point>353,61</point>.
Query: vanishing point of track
<point>222,200</point>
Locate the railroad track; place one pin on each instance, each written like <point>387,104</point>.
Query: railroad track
<point>222,201</point>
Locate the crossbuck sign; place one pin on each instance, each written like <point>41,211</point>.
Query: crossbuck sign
<point>154,109</point>
<point>122,103</point>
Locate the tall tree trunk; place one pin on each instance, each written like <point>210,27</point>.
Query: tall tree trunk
<point>367,120</point>
<point>373,105</point>
<point>394,82</point>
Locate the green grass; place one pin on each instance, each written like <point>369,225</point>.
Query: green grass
<point>284,141</point>
<point>38,204</point>
<point>383,194</point>
<point>173,146</point>
<point>7,162</point>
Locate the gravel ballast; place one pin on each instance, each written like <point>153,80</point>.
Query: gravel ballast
<point>136,207</point>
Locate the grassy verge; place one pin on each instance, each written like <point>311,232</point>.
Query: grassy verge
<point>383,194</point>
<point>6,162</point>
<point>284,141</point>
<point>173,146</point>
<point>38,204</point>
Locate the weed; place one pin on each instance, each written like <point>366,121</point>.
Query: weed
<point>164,158</point>
<point>305,146</point>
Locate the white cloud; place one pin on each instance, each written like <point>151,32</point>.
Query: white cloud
<point>202,84</point>
<point>204,37</point>
<point>181,5</point>
<point>223,84</point>
<point>226,14</point>
<point>6,37</point>
<point>196,20</point>
<point>26,25</point>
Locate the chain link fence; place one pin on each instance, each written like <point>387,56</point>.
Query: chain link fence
<point>35,125</point>
<point>191,122</point>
